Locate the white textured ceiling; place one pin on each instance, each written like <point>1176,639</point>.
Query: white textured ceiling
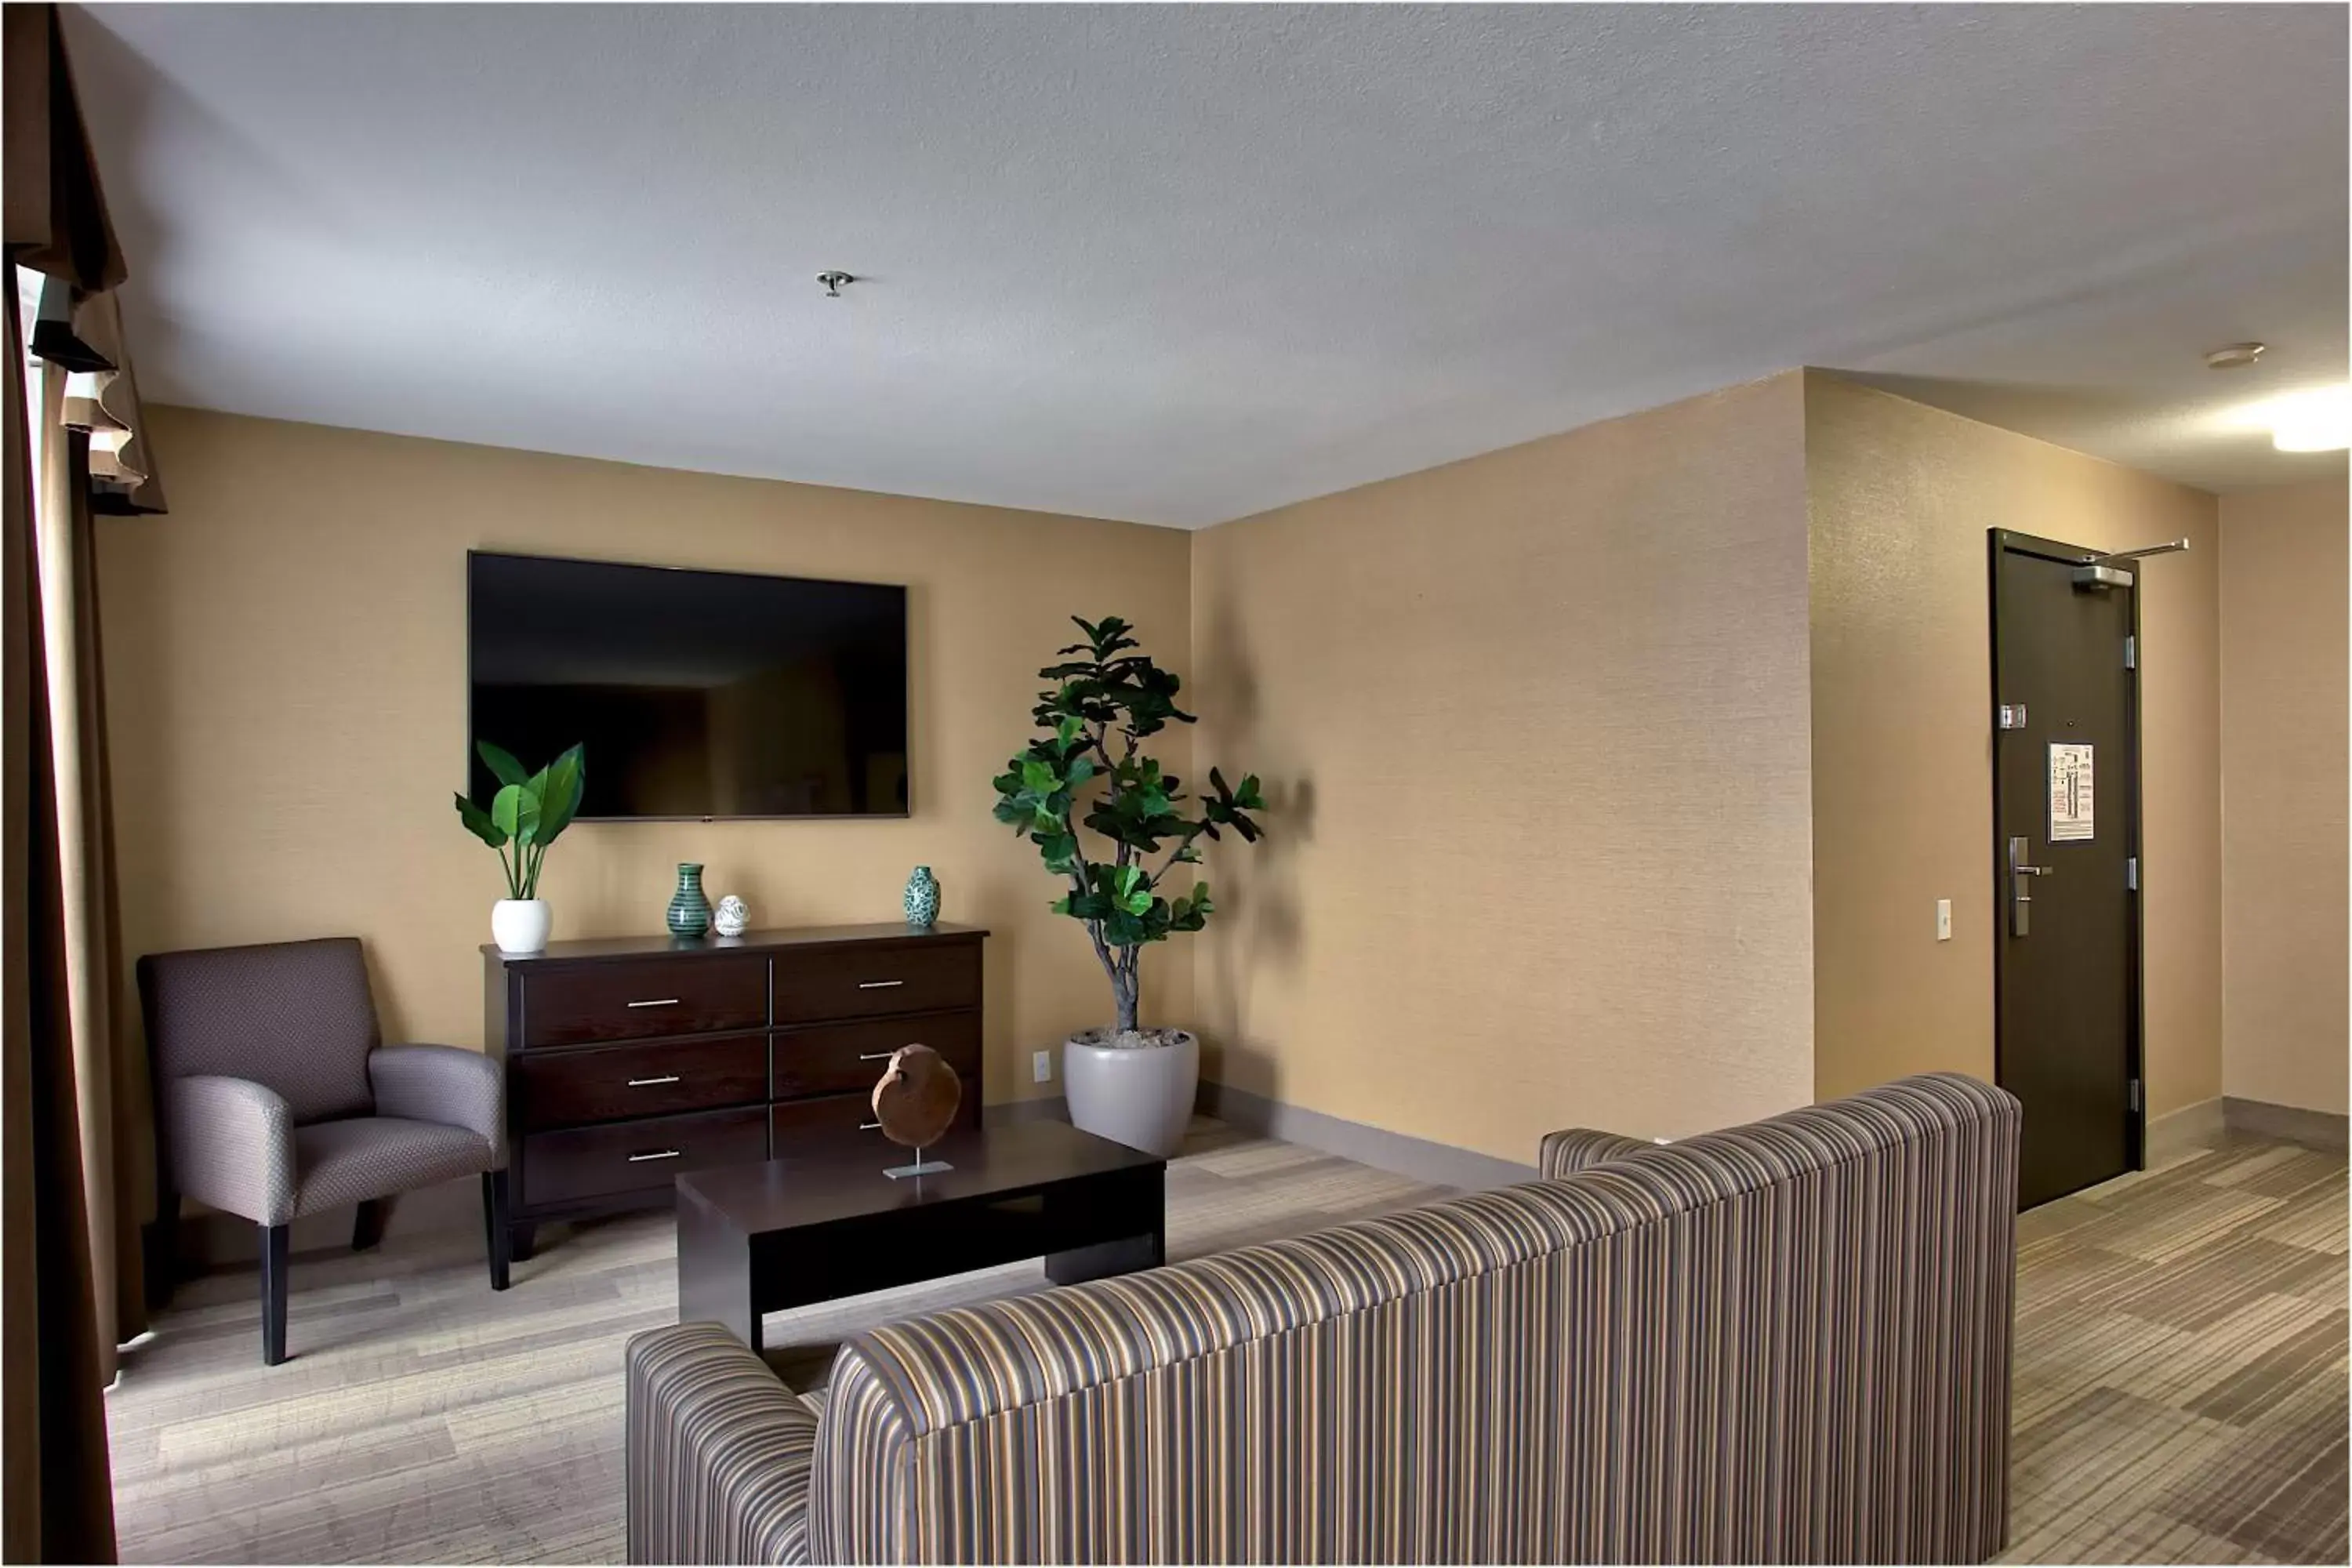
<point>1180,264</point>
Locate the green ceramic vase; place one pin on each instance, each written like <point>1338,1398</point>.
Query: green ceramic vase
<point>921,901</point>
<point>690,912</point>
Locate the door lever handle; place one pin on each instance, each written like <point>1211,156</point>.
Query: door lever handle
<point>2020,901</point>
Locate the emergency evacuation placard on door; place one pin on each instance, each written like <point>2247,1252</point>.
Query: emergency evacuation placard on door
<point>2070,792</point>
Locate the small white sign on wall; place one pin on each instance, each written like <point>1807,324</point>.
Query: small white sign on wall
<point>2070,792</point>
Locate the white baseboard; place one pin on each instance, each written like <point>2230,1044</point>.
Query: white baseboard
<point>2209,1122</point>
<point>216,1240</point>
<point>209,1239</point>
<point>1439,1164</point>
<point>1050,1107</point>
<point>2181,1131</point>
<point>2318,1128</point>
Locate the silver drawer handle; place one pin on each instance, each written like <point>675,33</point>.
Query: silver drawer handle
<point>878,984</point>
<point>869,1127</point>
<point>657,1154</point>
<point>650,1083</point>
<point>657,1001</point>
<point>877,1056</point>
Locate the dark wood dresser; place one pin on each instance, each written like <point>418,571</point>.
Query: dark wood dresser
<point>632,1060</point>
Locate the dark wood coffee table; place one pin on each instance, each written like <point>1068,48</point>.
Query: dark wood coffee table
<point>761,1238</point>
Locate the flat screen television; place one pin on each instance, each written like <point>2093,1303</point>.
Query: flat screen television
<point>697,694</point>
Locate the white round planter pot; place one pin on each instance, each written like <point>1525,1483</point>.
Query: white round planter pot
<point>520,925</point>
<point>1139,1095</point>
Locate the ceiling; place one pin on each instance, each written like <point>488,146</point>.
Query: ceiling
<point>1180,264</point>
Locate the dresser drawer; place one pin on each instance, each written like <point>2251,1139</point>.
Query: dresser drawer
<point>841,1058</point>
<point>845,1120</point>
<point>627,1156</point>
<point>644,998</point>
<point>797,1126</point>
<point>868,978</point>
<point>566,1089</point>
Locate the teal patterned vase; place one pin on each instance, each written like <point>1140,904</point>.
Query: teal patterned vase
<point>922,900</point>
<point>690,912</point>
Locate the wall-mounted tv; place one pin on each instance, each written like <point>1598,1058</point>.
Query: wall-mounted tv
<point>698,694</point>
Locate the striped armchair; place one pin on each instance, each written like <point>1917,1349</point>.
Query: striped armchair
<point>1786,1341</point>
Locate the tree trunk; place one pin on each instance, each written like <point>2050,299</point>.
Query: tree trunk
<point>1123,987</point>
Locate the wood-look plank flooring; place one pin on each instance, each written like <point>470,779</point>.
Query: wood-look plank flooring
<point>2179,1392</point>
<point>423,1418</point>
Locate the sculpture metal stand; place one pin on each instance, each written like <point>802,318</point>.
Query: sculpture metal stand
<point>922,1167</point>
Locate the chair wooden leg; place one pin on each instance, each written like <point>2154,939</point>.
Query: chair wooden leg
<point>496,1236</point>
<point>160,1261</point>
<point>522,1240</point>
<point>367,1225</point>
<point>273,1293</point>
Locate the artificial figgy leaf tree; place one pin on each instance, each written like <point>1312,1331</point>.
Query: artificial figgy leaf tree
<point>1102,812</point>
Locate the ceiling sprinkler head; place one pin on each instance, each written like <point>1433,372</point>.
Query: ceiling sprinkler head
<point>832,282</point>
<point>2234,356</point>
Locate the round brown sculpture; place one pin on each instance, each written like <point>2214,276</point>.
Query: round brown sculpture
<point>916,1100</point>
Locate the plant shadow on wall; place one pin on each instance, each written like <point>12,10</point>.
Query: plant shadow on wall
<point>1261,929</point>
<point>1086,782</point>
<point>528,813</point>
<point>1265,937</point>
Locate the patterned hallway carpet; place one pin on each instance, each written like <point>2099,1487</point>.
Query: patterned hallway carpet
<point>2179,1393</point>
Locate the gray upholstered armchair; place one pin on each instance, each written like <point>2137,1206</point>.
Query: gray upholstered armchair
<point>274,1100</point>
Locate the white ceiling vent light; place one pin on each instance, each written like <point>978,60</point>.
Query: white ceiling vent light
<point>2318,420</point>
<point>2314,419</point>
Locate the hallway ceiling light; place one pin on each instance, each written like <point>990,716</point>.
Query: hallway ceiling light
<point>2234,356</point>
<point>2315,419</point>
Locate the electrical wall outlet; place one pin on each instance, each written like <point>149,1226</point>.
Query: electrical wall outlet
<point>1943,920</point>
<point>1041,1066</point>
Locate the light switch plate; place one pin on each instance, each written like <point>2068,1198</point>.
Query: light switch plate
<point>1042,1067</point>
<point>1943,920</point>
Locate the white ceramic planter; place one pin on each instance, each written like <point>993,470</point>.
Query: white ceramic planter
<point>520,925</point>
<point>1140,1096</point>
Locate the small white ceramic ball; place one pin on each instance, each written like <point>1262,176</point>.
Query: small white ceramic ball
<point>732,918</point>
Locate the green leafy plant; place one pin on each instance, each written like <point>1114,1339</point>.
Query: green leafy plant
<point>528,813</point>
<point>1087,770</point>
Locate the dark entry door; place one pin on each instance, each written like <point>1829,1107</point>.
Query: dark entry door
<point>2066,862</point>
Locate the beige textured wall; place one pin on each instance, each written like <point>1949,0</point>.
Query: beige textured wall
<point>2283,786</point>
<point>1901,497</point>
<point>1534,730</point>
<point>285,665</point>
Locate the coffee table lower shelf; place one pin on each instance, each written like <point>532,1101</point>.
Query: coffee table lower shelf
<point>754,1239</point>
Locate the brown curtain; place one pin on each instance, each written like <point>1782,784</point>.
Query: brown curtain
<point>104,405</point>
<point>56,1501</point>
<point>109,1070</point>
<point>72,1163</point>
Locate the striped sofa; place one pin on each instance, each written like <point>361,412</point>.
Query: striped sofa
<point>1786,1341</point>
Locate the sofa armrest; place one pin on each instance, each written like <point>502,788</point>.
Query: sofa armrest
<point>1573,1149</point>
<point>720,1453</point>
<point>446,1084</point>
<point>232,1145</point>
